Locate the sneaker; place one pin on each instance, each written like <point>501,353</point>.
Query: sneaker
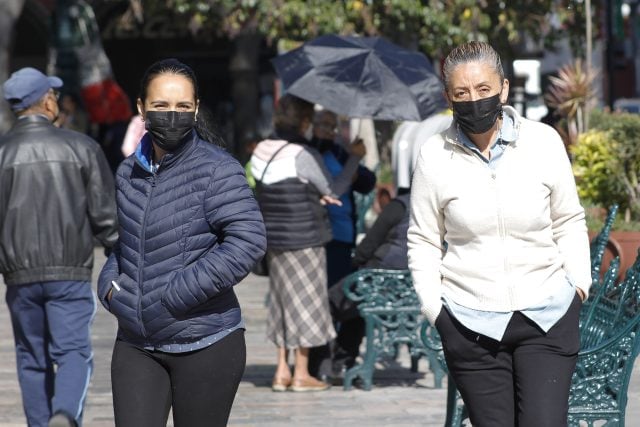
<point>61,419</point>
<point>308,384</point>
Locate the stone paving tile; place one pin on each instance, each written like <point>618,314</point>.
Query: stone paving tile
<point>399,398</point>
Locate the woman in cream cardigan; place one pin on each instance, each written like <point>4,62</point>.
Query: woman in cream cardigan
<point>498,249</point>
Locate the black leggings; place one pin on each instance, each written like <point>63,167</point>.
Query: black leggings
<point>199,385</point>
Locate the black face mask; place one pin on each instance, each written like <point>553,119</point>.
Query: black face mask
<point>477,116</point>
<point>321,144</point>
<point>169,129</point>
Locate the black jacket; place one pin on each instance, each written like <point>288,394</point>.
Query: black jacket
<point>385,245</point>
<point>56,195</point>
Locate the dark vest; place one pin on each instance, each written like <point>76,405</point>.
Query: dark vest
<point>293,215</point>
<point>392,254</point>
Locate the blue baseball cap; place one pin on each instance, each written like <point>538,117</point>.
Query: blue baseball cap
<point>27,86</point>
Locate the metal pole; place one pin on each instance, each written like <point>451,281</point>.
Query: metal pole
<point>609,4</point>
<point>587,6</point>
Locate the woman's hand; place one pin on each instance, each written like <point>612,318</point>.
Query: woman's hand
<point>580,294</point>
<point>328,200</point>
<point>357,148</point>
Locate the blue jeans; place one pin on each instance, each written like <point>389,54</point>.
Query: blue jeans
<point>51,322</point>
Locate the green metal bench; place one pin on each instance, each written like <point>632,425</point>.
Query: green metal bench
<point>609,342</point>
<point>599,244</point>
<point>390,308</point>
<point>363,202</point>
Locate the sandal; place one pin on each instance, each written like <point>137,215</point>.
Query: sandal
<point>280,384</point>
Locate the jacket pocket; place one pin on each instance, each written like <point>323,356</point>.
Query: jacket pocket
<point>123,305</point>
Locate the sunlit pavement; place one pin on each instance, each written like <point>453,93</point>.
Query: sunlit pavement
<point>399,397</point>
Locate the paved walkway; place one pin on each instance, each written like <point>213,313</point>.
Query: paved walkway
<point>399,398</point>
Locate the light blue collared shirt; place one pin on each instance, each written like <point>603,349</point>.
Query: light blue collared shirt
<point>197,345</point>
<point>491,323</point>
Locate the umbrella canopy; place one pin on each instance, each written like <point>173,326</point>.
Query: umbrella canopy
<point>362,77</point>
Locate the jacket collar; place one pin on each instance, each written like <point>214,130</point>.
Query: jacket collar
<point>32,118</point>
<point>144,152</point>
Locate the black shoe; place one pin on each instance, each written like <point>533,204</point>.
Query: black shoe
<point>60,419</point>
<point>337,375</point>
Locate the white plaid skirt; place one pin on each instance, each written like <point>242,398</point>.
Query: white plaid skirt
<point>298,301</point>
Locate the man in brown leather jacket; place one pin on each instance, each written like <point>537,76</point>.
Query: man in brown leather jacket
<point>56,196</point>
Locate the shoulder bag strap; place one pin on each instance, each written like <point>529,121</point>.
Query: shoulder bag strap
<point>264,171</point>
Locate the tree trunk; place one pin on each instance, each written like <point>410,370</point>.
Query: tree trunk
<point>10,11</point>
<point>245,91</point>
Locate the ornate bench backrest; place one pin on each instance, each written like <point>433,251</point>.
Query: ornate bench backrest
<point>612,308</point>
<point>609,335</point>
<point>599,243</point>
<point>599,289</point>
<point>375,289</point>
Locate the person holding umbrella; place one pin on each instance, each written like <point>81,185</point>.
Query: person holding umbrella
<point>324,362</point>
<point>498,249</point>
<point>292,184</point>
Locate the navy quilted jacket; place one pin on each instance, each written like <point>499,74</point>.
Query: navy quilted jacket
<point>187,234</point>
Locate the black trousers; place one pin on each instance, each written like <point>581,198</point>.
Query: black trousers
<point>326,359</point>
<point>521,381</point>
<point>200,385</point>
<point>338,261</point>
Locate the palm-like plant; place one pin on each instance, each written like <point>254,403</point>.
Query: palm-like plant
<point>571,93</point>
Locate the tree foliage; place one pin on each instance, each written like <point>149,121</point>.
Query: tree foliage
<point>432,26</point>
<point>9,12</point>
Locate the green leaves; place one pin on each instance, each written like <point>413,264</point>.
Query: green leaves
<point>606,162</point>
<point>594,167</point>
<point>433,26</point>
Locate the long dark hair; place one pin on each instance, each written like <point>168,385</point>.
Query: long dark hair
<point>204,121</point>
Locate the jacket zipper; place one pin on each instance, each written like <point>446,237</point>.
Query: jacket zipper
<point>502,229</point>
<point>142,253</point>
<point>502,232</point>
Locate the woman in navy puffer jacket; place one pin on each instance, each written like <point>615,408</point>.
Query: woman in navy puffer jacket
<point>189,230</point>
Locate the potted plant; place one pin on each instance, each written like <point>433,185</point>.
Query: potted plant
<point>606,164</point>
<point>571,96</point>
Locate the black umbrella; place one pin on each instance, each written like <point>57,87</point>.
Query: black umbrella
<point>362,77</point>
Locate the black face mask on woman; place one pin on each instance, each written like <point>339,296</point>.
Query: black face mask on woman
<point>477,116</point>
<point>169,129</point>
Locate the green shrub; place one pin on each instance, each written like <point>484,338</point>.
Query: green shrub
<point>606,162</point>
<point>593,167</point>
